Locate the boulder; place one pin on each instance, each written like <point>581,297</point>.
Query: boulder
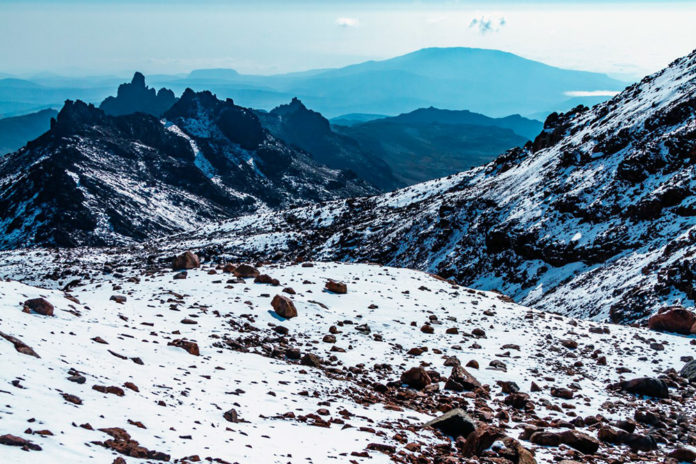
<point>542,438</point>
<point>673,319</point>
<point>460,379</point>
<point>231,416</point>
<point>683,455</point>
<point>245,271</point>
<point>646,386</point>
<point>455,423</point>
<point>39,306</point>
<point>13,440</point>
<point>190,347</point>
<point>580,441</point>
<point>284,307</point>
<point>336,287</point>
<point>480,440</point>
<point>416,377</point>
<point>689,371</point>
<point>639,442</point>
<point>187,260</point>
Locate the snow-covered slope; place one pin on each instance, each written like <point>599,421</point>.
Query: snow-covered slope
<point>95,179</point>
<point>347,404</point>
<point>595,218</point>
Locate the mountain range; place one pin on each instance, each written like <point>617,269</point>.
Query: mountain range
<point>593,219</point>
<point>485,81</point>
<point>429,143</point>
<point>95,179</point>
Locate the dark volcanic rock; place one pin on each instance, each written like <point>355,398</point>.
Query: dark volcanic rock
<point>646,386</point>
<point>454,423</point>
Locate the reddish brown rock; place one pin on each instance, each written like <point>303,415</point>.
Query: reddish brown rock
<point>12,440</point>
<point>580,441</point>
<point>336,287</point>
<point>190,347</point>
<point>683,455</point>
<point>284,307</point>
<point>480,440</point>
<point>19,345</point>
<point>118,391</point>
<point>266,279</point>
<point>545,438</point>
<point>246,271</point>
<point>39,306</point>
<point>187,260</point>
<point>673,319</point>
<point>416,377</point>
<point>460,379</point>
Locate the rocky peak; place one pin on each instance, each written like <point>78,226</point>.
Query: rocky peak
<point>75,114</point>
<point>136,97</point>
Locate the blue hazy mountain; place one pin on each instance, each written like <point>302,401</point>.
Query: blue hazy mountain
<point>16,131</point>
<point>484,81</point>
<point>491,82</point>
<point>429,143</point>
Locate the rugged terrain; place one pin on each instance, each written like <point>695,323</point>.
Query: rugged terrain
<point>299,126</point>
<point>593,219</point>
<point>16,131</point>
<point>95,179</point>
<point>134,362</point>
<point>429,143</point>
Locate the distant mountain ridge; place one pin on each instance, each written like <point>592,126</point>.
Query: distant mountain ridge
<point>429,143</point>
<point>16,131</point>
<point>491,82</point>
<point>485,81</point>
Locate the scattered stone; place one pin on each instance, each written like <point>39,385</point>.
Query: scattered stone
<point>39,306</point>
<point>187,260</point>
<point>284,306</point>
<point>460,379</point>
<point>19,345</point>
<point>12,440</point>
<point>336,287</point>
<point>246,271</point>
<point>190,347</point>
<point>580,441</point>
<point>416,377</point>
<point>454,423</point>
<point>231,416</point>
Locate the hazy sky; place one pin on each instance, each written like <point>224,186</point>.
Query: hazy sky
<point>265,36</point>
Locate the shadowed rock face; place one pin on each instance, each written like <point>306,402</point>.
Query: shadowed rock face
<point>96,179</point>
<point>136,97</point>
<point>310,131</point>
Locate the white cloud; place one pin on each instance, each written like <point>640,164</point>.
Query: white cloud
<point>347,22</point>
<point>486,24</point>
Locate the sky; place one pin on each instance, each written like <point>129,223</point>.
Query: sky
<point>98,37</point>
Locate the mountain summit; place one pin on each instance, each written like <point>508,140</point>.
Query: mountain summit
<point>136,97</point>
